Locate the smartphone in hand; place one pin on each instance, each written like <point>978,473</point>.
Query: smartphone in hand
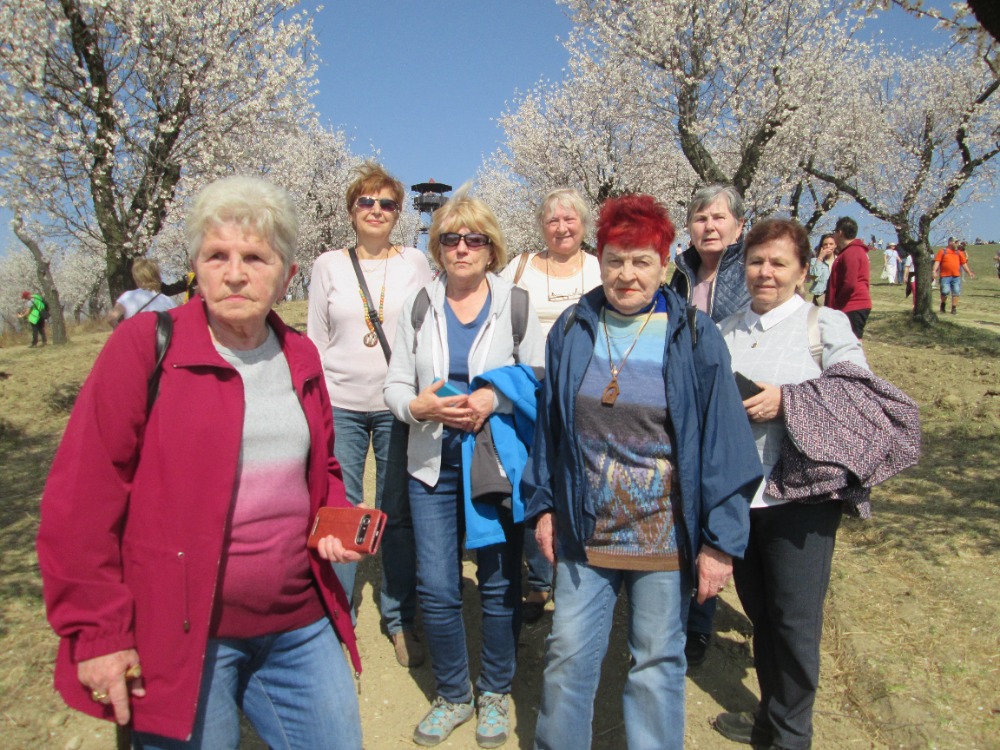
<point>746,386</point>
<point>448,389</point>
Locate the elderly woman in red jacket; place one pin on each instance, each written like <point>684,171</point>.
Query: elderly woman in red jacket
<point>173,525</point>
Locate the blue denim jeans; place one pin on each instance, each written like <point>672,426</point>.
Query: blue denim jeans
<point>654,690</point>
<point>295,688</point>
<point>353,431</point>
<point>439,527</point>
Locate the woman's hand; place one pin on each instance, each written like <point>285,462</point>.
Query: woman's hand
<point>332,549</point>
<point>714,571</point>
<point>112,679</point>
<point>481,403</point>
<point>451,411</point>
<point>545,535</point>
<point>766,405</point>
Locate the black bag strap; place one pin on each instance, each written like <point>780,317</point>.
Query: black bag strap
<point>518,318</point>
<point>164,331</point>
<point>148,302</point>
<point>372,315</point>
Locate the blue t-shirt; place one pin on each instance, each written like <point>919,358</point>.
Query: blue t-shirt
<point>460,339</point>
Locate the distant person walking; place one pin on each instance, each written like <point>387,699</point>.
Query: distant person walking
<point>148,297</point>
<point>849,289</point>
<point>37,313</point>
<point>948,265</point>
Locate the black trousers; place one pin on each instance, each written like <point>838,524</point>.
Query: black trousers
<point>782,582</point>
<point>38,329</point>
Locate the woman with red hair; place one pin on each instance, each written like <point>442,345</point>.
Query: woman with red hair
<point>641,475</point>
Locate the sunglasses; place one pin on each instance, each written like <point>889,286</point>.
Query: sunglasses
<point>472,239</point>
<point>386,204</point>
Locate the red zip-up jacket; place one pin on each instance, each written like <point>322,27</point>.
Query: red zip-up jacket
<point>134,514</point>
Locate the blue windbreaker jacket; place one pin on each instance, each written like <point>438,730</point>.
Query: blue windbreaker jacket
<point>716,460</point>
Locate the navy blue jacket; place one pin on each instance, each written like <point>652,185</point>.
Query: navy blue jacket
<point>730,294</point>
<point>716,460</point>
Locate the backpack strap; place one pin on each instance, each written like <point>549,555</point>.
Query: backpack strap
<point>419,312</point>
<point>164,331</point>
<point>518,318</point>
<point>813,334</point>
<point>520,266</point>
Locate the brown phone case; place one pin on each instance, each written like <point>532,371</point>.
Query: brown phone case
<point>359,529</point>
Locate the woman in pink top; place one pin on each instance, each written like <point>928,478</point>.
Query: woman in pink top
<point>346,331</point>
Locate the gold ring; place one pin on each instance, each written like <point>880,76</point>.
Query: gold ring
<point>97,696</point>
<point>134,672</point>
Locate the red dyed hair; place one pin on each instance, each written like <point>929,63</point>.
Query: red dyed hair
<point>634,221</point>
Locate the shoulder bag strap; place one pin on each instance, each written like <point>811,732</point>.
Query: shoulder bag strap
<point>372,315</point>
<point>518,318</point>
<point>164,331</point>
<point>815,338</point>
<point>148,303</point>
<point>521,264</point>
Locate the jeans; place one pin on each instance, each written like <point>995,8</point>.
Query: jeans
<point>782,582</point>
<point>295,688</point>
<point>654,690</point>
<point>353,430</point>
<point>439,526</point>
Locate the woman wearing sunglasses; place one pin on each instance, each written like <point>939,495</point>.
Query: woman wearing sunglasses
<point>555,278</point>
<point>345,324</point>
<point>464,337</point>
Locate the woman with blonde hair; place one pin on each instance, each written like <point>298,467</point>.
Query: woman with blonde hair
<point>457,367</point>
<point>147,297</point>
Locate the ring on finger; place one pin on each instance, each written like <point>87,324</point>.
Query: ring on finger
<point>97,695</point>
<point>134,672</point>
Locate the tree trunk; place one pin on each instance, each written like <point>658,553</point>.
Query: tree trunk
<point>919,249</point>
<point>49,292</point>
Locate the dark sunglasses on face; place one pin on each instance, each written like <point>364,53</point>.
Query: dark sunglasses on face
<point>472,239</point>
<point>386,204</point>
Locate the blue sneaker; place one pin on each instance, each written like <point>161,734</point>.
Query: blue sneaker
<point>494,721</point>
<point>440,721</point>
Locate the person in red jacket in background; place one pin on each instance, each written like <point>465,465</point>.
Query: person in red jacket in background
<point>848,289</point>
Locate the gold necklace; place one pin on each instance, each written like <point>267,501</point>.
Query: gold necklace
<point>371,338</point>
<point>575,294</point>
<point>610,393</point>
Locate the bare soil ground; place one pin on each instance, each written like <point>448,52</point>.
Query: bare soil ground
<point>911,652</point>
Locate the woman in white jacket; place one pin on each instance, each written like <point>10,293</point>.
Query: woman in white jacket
<point>463,329</point>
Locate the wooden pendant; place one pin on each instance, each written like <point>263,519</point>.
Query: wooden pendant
<point>371,339</point>
<point>610,394</point>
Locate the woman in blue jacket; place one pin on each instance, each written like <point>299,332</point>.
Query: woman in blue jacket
<point>641,474</point>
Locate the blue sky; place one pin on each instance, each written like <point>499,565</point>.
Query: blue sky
<point>424,82</point>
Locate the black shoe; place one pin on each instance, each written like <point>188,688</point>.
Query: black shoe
<point>942,307</point>
<point>736,726</point>
<point>534,607</point>
<point>954,311</point>
<point>696,648</point>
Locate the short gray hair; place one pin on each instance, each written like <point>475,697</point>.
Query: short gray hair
<point>706,196</point>
<point>251,203</point>
<point>565,198</point>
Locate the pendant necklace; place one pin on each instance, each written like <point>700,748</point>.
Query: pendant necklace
<point>371,338</point>
<point>610,393</point>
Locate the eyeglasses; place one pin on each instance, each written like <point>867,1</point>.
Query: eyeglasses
<point>472,239</point>
<point>367,202</point>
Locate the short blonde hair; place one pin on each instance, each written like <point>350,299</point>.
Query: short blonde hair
<point>564,198</point>
<point>464,211</point>
<point>146,274</point>
<point>251,203</point>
